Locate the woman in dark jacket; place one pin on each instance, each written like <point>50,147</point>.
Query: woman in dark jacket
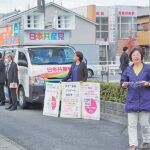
<point>78,70</point>
<point>136,78</point>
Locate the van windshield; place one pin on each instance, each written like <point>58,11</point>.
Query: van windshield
<point>43,56</point>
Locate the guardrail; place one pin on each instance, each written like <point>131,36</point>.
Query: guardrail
<point>112,69</point>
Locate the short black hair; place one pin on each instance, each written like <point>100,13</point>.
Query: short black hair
<point>80,55</point>
<point>125,48</point>
<point>136,49</point>
<point>10,55</point>
<point>0,55</point>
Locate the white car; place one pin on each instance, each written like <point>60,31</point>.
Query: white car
<point>92,71</point>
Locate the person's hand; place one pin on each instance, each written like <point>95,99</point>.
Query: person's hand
<point>14,84</point>
<point>145,83</point>
<point>124,85</point>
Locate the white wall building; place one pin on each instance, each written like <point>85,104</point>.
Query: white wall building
<point>114,24</point>
<point>57,18</point>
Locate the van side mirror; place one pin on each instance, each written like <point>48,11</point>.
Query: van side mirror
<point>22,63</point>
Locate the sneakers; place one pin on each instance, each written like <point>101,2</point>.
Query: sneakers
<point>144,146</point>
<point>133,147</point>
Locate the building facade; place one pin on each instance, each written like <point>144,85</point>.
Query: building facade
<point>57,18</point>
<point>143,27</point>
<point>116,26</point>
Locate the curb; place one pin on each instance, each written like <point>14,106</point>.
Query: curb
<point>8,144</point>
<point>114,118</point>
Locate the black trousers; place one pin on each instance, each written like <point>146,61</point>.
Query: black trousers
<point>2,94</point>
<point>12,96</point>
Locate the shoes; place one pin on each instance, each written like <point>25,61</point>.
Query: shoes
<point>8,107</point>
<point>144,146</point>
<point>2,103</point>
<point>13,108</point>
<point>133,147</point>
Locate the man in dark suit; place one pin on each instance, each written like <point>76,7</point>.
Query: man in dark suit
<point>2,81</point>
<point>124,59</point>
<point>12,79</point>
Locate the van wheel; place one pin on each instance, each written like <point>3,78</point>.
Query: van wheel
<point>90,73</point>
<point>21,97</point>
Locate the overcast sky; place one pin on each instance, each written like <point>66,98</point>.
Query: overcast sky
<point>10,5</point>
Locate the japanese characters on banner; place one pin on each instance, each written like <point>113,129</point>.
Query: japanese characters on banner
<point>39,37</point>
<point>77,100</point>
<point>112,24</point>
<point>90,101</point>
<point>9,35</point>
<point>52,99</point>
<point>71,100</point>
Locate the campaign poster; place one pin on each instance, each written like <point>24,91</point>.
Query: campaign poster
<point>9,35</point>
<point>71,100</point>
<point>52,99</point>
<point>90,93</point>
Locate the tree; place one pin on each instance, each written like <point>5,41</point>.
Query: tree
<point>132,42</point>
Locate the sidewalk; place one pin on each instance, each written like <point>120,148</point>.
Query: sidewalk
<point>7,144</point>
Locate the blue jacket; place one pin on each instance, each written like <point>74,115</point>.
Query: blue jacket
<point>138,97</point>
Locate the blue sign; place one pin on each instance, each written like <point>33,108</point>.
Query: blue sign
<point>105,39</point>
<point>16,30</point>
<point>104,73</point>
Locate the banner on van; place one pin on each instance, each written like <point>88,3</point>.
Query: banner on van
<point>41,37</point>
<point>9,35</point>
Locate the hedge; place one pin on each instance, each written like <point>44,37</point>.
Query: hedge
<point>112,92</point>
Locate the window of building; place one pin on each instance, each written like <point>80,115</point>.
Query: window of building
<point>104,20</point>
<point>127,25</point>
<point>63,22</point>
<point>33,21</point>
<point>36,21</point>
<point>102,28</point>
<point>98,28</point>
<point>126,20</point>
<point>29,21</point>
<point>104,35</point>
<point>98,35</point>
<point>97,20</point>
<point>143,27</point>
<point>102,54</point>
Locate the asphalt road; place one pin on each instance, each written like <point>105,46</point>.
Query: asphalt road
<point>30,129</point>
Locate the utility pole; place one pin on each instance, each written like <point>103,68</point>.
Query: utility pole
<point>41,6</point>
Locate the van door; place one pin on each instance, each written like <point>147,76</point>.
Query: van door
<point>23,75</point>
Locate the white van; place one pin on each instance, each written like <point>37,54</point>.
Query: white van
<point>37,65</point>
